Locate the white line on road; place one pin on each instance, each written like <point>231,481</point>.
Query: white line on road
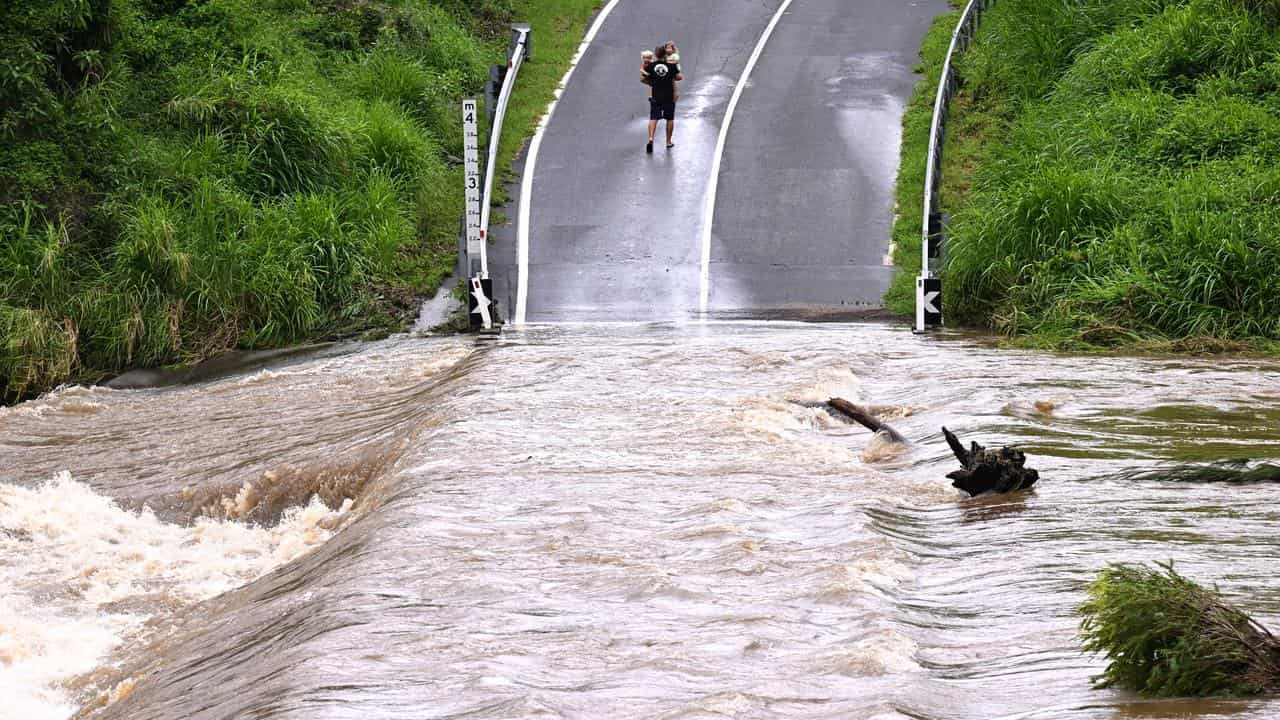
<point>531,162</point>
<point>709,209</point>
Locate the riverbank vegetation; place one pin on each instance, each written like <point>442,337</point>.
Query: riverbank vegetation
<point>909,211</point>
<point>183,177</point>
<point>1113,174</point>
<point>1165,635</point>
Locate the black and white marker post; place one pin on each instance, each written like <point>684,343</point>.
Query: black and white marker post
<point>928,303</point>
<point>929,285</point>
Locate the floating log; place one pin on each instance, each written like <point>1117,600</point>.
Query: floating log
<point>1168,636</point>
<point>983,470</point>
<point>864,418</point>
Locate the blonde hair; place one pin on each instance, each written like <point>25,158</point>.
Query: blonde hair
<point>646,54</point>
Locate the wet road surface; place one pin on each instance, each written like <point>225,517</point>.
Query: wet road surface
<point>805,200</point>
<point>806,196</point>
<point>614,230</point>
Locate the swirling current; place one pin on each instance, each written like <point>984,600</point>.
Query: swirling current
<point>618,521</point>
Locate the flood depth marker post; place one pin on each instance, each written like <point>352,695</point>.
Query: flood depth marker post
<point>477,294</point>
<point>471,160</point>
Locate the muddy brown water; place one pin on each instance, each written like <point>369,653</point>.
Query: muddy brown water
<point>631,521</point>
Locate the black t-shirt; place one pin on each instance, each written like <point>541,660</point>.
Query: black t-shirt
<point>662,78</point>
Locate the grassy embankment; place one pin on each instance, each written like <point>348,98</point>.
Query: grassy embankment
<point>183,177</point>
<point>1113,174</point>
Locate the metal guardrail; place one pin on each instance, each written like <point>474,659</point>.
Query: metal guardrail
<point>928,284</point>
<point>473,252</point>
<point>519,52</point>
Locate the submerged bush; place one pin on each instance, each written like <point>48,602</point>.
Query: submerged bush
<point>1167,636</point>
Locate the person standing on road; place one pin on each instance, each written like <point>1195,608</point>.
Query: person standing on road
<point>663,75</point>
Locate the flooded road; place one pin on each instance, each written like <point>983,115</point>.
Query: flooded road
<point>629,521</point>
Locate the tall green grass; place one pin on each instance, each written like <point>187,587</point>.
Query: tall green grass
<point>181,177</point>
<point>1123,183</point>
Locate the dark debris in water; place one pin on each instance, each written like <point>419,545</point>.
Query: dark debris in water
<point>989,471</point>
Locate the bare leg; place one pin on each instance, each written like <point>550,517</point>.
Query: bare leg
<point>653,128</point>
<point>671,128</point>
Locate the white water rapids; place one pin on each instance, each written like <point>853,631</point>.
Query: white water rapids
<point>639,521</point>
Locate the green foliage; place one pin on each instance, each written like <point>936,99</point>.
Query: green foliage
<point>1127,173</point>
<point>1165,635</point>
<point>47,51</point>
<point>180,177</point>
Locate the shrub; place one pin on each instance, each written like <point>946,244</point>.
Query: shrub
<point>1165,635</point>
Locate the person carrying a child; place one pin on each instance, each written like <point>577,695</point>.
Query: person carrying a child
<point>661,74</point>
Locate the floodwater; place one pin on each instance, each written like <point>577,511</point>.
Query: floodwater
<point>630,521</point>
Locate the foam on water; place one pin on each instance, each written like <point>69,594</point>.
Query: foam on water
<point>81,573</point>
<point>884,652</point>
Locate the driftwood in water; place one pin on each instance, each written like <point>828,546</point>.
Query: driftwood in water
<point>860,415</point>
<point>984,470</point>
<point>1000,471</point>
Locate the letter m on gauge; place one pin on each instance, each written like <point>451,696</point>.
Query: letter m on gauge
<point>471,160</point>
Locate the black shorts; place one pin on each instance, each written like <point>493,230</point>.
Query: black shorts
<point>659,110</point>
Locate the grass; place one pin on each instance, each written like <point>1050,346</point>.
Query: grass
<point>183,177</point>
<point>909,214</point>
<point>1112,175</point>
<point>1167,636</point>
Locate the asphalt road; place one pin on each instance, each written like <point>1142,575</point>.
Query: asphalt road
<point>805,190</point>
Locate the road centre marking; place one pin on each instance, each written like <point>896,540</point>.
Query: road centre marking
<point>531,163</point>
<point>709,208</point>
